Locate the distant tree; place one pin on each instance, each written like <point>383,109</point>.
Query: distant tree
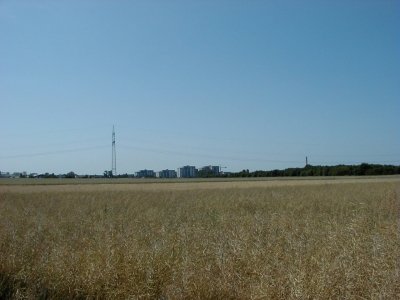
<point>123,175</point>
<point>107,174</point>
<point>70,175</point>
<point>364,168</point>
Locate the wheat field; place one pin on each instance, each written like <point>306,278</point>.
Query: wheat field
<point>239,240</point>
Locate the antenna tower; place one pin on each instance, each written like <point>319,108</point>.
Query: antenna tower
<point>114,155</point>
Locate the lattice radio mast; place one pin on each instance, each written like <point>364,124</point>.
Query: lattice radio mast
<point>114,155</point>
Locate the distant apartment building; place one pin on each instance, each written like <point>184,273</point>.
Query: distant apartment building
<point>5,174</point>
<point>145,174</point>
<point>18,174</point>
<point>210,171</point>
<point>187,172</point>
<point>167,174</point>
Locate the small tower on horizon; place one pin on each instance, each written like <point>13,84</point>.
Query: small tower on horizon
<point>306,161</point>
<point>113,155</point>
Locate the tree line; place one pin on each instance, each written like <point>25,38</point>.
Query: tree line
<point>309,170</point>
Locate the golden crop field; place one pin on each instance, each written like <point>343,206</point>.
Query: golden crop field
<point>279,239</point>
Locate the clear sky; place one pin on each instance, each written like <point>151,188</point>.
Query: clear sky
<point>244,84</point>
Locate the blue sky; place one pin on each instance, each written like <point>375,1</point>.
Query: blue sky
<point>242,84</point>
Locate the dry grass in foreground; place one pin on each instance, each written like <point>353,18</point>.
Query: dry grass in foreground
<point>319,241</point>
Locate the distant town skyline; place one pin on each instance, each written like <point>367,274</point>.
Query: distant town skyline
<point>245,85</point>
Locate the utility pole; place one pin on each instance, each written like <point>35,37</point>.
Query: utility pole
<point>113,155</point>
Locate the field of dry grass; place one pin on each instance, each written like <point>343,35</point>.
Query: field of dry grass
<point>235,240</point>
